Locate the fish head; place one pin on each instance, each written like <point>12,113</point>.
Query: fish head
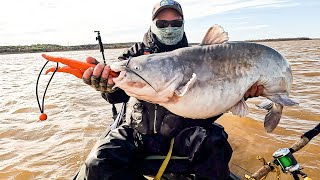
<point>151,78</point>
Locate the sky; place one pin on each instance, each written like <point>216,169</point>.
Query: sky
<point>73,22</point>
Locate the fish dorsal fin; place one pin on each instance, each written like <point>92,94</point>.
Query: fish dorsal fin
<point>215,35</point>
<point>181,91</point>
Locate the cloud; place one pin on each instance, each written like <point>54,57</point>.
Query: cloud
<point>198,9</point>
<point>255,27</point>
<point>280,5</point>
<point>73,21</point>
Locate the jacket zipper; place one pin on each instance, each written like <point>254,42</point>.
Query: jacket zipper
<point>155,119</point>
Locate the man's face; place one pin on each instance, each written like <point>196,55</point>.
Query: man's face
<point>168,27</point>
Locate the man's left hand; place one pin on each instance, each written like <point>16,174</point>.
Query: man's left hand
<point>254,91</point>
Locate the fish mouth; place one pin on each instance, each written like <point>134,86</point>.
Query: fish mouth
<point>131,84</point>
<point>122,67</point>
<point>128,69</point>
<point>119,67</point>
<point>137,84</point>
<point>134,84</point>
<point>120,77</point>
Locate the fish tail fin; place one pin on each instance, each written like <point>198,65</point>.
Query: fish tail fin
<point>282,99</point>
<point>266,104</point>
<point>273,116</point>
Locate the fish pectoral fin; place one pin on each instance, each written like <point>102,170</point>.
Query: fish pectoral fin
<point>282,99</point>
<point>215,35</point>
<point>273,116</point>
<point>240,109</point>
<point>182,90</point>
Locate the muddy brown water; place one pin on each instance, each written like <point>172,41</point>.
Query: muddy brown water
<point>77,115</point>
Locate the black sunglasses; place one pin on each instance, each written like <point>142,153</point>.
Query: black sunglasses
<point>164,23</point>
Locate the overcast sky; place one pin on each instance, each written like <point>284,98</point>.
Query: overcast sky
<point>72,22</point>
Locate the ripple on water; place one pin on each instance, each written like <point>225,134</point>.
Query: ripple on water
<point>25,110</point>
<point>10,102</point>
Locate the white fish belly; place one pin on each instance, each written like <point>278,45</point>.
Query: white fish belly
<point>200,103</point>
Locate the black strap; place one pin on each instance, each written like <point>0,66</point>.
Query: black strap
<point>114,112</point>
<point>120,117</point>
<point>45,91</point>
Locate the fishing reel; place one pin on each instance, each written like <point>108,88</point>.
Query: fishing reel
<point>285,159</point>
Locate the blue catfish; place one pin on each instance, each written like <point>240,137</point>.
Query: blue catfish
<point>210,79</point>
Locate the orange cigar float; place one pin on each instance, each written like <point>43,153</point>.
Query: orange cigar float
<point>74,67</point>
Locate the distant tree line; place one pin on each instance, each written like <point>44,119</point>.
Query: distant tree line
<point>54,47</point>
<point>280,39</point>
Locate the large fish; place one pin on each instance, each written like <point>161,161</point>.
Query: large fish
<point>207,80</point>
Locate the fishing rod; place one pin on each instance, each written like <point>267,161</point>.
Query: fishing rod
<point>284,159</point>
<point>98,38</point>
<point>114,109</point>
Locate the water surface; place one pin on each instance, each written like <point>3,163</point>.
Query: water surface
<point>77,115</point>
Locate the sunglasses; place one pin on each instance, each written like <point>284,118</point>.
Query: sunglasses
<point>164,23</point>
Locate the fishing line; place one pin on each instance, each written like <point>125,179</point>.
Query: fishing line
<point>43,116</point>
<point>241,168</point>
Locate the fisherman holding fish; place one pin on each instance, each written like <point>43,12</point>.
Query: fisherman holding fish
<point>149,127</point>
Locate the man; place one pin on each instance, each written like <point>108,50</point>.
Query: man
<point>122,152</point>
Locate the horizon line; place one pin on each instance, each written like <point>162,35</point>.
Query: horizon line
<point>249,40</point>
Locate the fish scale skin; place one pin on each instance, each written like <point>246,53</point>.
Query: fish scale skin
<point>226,79</point>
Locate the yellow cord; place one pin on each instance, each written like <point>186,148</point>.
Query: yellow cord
<point>165,162</point>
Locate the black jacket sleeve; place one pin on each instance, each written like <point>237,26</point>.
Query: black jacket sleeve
<point>120,96</point>
<point>136,49</point>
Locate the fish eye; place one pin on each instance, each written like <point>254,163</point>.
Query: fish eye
<point>137,68</point>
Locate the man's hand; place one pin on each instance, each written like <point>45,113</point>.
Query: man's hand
<point>254,91</point>
<point>98,77</point>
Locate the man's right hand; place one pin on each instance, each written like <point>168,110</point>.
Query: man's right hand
<point>98,77</point>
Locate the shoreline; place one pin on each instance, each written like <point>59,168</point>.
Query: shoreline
<point>37,48</point>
